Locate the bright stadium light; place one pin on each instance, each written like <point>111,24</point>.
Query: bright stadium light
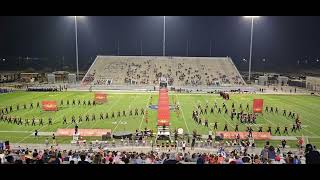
<point>252,19</point>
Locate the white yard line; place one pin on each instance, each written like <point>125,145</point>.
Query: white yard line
<point>311,122</point>
<point>269,121</point>
<point>31,134</point>
<point>145,112</point>
<point>262,115</point>
<point>229,122</point>
<point>120,119</point>
<point>290,123</point>
<point>304,129</point>
<point>115,103</point>
<point>223,115</point>
<point>16,131</point>
<point>184,119</point>
<point>40,129</point>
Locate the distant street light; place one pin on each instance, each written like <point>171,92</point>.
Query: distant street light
<point>252,18</point>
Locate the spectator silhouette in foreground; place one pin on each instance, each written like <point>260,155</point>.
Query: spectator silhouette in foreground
<point>171,160</point>
<point>83,159</point>
<point>312,156</point>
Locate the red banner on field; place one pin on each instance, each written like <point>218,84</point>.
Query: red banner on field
<point>49,106</point>
<point>257,105</point>
<point>100,97</point>
<point>83,132</point>
<point>244,135</point>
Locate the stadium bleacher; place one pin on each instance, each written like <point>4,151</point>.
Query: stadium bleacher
<point>146,70</point>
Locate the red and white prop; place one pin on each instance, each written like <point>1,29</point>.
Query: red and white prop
<point>100,97</point>
<point>49,106</point>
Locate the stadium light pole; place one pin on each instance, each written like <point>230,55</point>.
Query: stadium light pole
<point>76,37</point>
<point>252,19</point>
<point>210,48</point>
<point>164,37</point>
<point>187,48</point>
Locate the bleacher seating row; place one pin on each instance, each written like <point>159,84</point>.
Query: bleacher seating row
<point>147,70</point>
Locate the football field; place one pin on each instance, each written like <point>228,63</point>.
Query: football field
<point>306,106</point>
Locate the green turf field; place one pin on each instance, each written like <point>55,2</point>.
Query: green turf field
<point>306,106</point>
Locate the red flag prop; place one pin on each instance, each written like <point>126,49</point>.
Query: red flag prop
<point>49,106</point>
<point>257,105</point>
<point>100,97</point>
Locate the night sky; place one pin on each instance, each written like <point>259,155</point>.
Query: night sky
<point>280,40</point>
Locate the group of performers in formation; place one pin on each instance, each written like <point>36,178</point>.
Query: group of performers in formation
<point>244,118</point>
<point>6,117</point>
<point>74,102</point>
<point>105,116</point>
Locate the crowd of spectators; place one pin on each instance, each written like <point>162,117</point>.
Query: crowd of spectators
<point>102,156</point>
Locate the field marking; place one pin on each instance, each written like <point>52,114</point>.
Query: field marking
<point>195,106</point>
<point>55,122</point>
<point>85,113</point>
<point>73,106</point>
<point>120,119</point>
<point>41,127</point>
<point>311,137</point>
<point>290,121</point>
<point>145,112</point>
<point>184,119</point>
<point>273,124</point>
<point>30,135</point>
<point>109,108</point>
<point>296,104</point>
<point>223,115</point>
<point>28,111</point>
<point>204,96</point>
<point>16,131</point>
<point>285,119</point>
<point>19,126</point>
<point>302,129</point>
